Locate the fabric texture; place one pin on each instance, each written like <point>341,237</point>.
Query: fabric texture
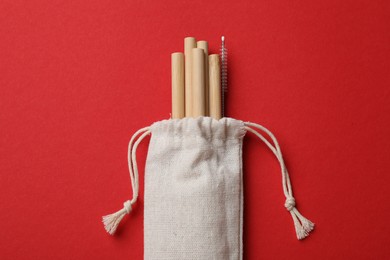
<point>193,189</point>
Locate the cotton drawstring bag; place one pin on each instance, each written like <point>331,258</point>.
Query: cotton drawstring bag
<point>193,205</point>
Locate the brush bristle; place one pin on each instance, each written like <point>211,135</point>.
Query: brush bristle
<point>223,55</point>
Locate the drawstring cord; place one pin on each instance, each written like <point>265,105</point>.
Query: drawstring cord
<point>112,221</point>
<point>302,225</point>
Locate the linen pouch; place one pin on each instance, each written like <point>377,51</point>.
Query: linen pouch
<point>193,205</point>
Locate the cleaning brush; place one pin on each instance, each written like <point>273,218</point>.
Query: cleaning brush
<point>223,55</point>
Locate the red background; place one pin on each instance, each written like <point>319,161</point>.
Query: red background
<point>78,78</point>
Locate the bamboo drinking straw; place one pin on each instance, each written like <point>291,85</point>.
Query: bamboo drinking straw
<point>215,86</point>
<point>178,109</point>
<point>198,83</point>
<point>189,44</point>
<point>205,46</point>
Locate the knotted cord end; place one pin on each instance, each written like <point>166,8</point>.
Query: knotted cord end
<point>112,221</point>
<point>303,226</point>
<point>290,203</point>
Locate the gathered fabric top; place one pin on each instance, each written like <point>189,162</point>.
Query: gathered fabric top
<point>202,128</point>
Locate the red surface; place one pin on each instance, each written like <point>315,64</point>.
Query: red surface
<point>78,78</point>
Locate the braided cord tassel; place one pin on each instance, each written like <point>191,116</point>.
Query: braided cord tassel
<point>112,221</point>
<point>302,225</point>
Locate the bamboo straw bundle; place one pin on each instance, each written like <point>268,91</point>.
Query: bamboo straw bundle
<point>196,81</point>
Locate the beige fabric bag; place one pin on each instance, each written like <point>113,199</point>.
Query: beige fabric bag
<point>193,205</point>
